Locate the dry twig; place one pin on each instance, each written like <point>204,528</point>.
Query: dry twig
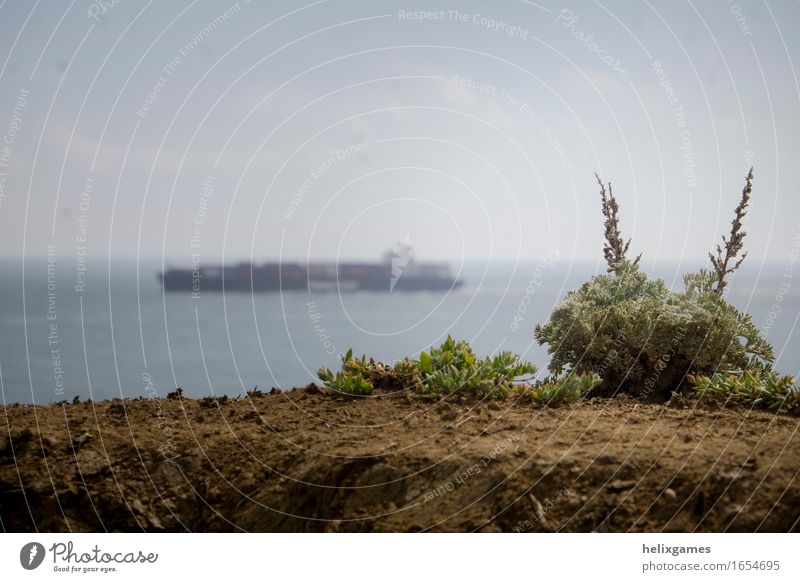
<point>733,244</point>
<point>614,249</point>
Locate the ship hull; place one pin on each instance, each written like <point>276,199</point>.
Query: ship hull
<point>317,278</point>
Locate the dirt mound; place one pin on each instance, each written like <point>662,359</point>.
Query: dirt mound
<point>307,461</point>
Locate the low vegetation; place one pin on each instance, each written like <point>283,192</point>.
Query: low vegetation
<point>558,390</point>
<point>443,370</point>
<point>755,387</point>
<point>620,332</point>
<point>350,379</point>
<point>454,368</point>
<point>641,338</point>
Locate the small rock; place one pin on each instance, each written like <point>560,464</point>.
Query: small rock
<point>732,475</point>
<point>81,440</point>
<point>155,522</point>
<point>734,509</point>
<point>92,463</point>
<point>605,460</point>
<point>449,414</point>
<point>670,494</point>
<point>246,481</point>
<point>138,506</point>
<point>619,485</point>
<point>116,411</point>
<point>49,444</point>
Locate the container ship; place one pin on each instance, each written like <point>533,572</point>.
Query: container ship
<point>387,276</point>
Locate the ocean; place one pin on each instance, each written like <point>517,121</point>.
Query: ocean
<point>110,330</point>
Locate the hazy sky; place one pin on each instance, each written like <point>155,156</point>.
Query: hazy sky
<point>335,128</point>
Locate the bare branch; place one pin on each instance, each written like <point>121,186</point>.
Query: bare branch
<point>614,248</point>
<point>734,243</point>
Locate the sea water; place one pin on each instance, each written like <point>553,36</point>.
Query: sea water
<point>120,335</point>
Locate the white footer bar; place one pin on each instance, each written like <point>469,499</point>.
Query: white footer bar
<point>388,557</point>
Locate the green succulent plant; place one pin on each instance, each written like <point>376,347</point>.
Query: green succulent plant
<point>454,366</point>
<point>759,387</point>
<point>558,390</point>
<point>445,369</point>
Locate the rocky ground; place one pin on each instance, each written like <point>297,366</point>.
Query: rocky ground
<point>307,461</point>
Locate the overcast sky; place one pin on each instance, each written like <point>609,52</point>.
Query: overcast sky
<point>335,128</point>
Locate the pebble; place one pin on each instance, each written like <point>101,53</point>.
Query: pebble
<point>449,414</point>
<point>605,460</point>
<point>618,485</point>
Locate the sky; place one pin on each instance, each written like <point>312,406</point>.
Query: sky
<point>198,130</point>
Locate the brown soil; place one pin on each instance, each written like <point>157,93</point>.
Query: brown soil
<point>307,461</point>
